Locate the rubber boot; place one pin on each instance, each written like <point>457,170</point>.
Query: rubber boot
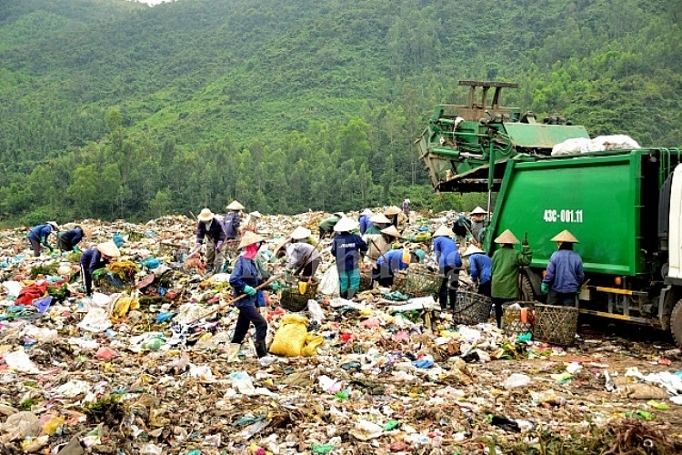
<point>261,350</point>
<point>350,294</point>
<point>233,352</point>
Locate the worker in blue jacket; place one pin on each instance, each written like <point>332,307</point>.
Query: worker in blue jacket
<point>95,258</point>
<point>565,274</point>
<point>244,279</point>
<point>449,265</point>
<point>69,240</point>
<point>480,268</point>
<point>349,250</point>
<point>209,227</point>
<point>389,263</point>
<point>364,221</point>
<point>39,234</point>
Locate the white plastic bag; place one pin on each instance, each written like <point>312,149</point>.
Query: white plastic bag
<point>316,313</point>
<point>329,285</point>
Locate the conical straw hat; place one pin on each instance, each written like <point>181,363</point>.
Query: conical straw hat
<point>234,205</point>
<point>478,211</point>
<point>346,224</point>
<point>443,231</point>
<point>507,237</point>
<point>249,238</point>
<point>565,236</point>
<point>339,214</point>
<point>301,233</point>
<point>281,245</point>
<point>472,249</point>
<point>380,218</point>
<point>392,210</point>
<point>205,215</point>
<point>392,231</point>
<point>256,214</point>
<point>367,212</point>
<point>109,249</point>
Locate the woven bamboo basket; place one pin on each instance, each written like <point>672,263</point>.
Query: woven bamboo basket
<point>399,279</point>
<point>418,283</point>
<point>556,324</point>
<point>472,308</point>
<point>291,298</point>
<point>365,281</point>
<point>512,325</point>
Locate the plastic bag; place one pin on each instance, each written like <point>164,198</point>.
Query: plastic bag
<point>312,342</point>
<point>329,284</point>
<point>316,313</point>
<point>291,335</point>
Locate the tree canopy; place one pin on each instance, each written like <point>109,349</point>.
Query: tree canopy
<point>114,109</point>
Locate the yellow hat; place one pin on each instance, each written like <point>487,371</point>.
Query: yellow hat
<point>444,231</point>
<point>205,215</point>
<point>301,233</point>
<point>234,205</point>
<point>507,237</point>
<point>249,238</point>
<point>565,236</point>
<point>109,249</point>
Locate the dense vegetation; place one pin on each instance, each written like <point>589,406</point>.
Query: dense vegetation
<point>114,109</point>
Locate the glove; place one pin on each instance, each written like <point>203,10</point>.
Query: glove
<point>76,249</point>
<point>249,290</point>
<point>218,246</point>
<point>544,287</point>
<point>42,240</point>
<point>195,249</point>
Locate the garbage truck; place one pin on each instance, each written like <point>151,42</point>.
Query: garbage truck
<point>623,205</point>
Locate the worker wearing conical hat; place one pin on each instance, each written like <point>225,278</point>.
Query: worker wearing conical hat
<point>95,258</point>
<point>209,228</point>
<point>564,274</point>
<point>232,220</point>
<point>39,235</point>
<point>364,221</point>
<point>303,259</point>
<point>505,270</point>
<point>392,213</point>
<point>479,268</point>
<point>251,223</point>
<point>69,240</point>
<point>326,226</point>
<point>377,223</point>
<point>349,250</point>
<point>449,265</point>
<point>477,223</point>
<point>244,279</point>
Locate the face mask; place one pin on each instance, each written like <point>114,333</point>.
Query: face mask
<point>250,251</point>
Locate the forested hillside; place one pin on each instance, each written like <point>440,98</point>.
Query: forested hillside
<point>114,109</point>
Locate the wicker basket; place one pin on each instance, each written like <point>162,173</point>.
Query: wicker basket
<point>472,308</point>
<point>399,279</point>
<point>512,325</point>
<point>417,283</point>
<point>556,324</point>
<point>365,281</point>
<point>293,300</point>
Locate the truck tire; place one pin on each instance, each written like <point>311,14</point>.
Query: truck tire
<point>527,293</point>
<point>676,323</point>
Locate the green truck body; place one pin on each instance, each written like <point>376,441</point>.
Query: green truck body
<point>624,206</point>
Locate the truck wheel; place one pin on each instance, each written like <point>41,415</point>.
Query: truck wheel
<point>676,323</point>
<point>527,293</point>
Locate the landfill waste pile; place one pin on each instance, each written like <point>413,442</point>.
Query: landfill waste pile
<point>140,367</point>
